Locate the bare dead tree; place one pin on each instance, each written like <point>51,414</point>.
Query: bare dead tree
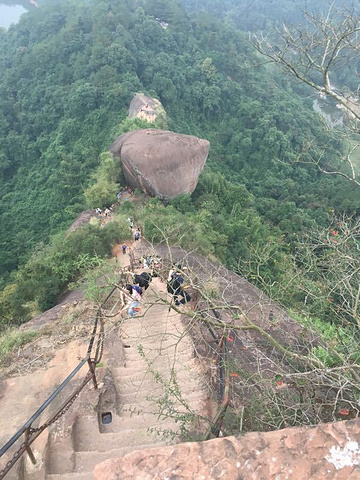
<point>282,373</point>
<point>332,257</point>
<point>313,54</point>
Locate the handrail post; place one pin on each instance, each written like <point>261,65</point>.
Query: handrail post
<point>27,447</point>
<point>92,371</point>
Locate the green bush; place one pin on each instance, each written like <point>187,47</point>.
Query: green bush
<point>11,339</point>
<point>51,268</point>
<point>103,192</point>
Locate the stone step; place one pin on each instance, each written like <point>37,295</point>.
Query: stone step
<point>139,396</point>
<point>163,337</point>
<point>70,476</point>
<point>158,395</point>
<point>123,439</point>
<point>86,461</point>
<point>163,340</point>
<point>124,375</point>
<point>163,408</point>
<point>136,389</point>
<point>158,361</point>
<point>152,313</point>
<point>127,421</point>
<point>168,361</point>
<point>162,348</point>
<point>151,331</point>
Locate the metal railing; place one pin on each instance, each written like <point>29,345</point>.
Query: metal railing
<point>29,432</point>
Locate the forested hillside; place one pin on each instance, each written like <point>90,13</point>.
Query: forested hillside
<point>68,72</point>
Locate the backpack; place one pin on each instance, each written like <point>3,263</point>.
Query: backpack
<point>137,289</point>
<point>146,276</point>
<point>141,281</point>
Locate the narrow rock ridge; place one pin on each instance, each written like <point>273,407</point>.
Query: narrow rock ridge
<point>152,393</point>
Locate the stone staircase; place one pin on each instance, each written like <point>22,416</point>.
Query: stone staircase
<point>157,386</point>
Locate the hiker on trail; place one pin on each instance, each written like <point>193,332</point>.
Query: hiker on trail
<point>175,287</point>
<point>175,267</point>
<point>146,276</point>
<point>143,261</point>
<point>135,298</point>
<point>136,235</point>
<point>143,280</point>
<point>156,266</point>
<point>107,212</point>
<point>98,211</point>
<point>131,224</point>
<point>135,291</point>
<point>157,261</point>
<point>124,247</point>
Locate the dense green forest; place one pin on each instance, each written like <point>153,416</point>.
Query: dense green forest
<point>68,72</point>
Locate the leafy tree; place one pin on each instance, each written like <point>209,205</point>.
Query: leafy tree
<point>103,192</point>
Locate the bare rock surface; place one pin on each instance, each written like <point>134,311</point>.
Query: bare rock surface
<point>329,451</point>
<point>161,163</point>
<point>83,219</point>
<point>146,108</point>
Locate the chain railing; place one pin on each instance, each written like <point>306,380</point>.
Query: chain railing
<point>27,431</point>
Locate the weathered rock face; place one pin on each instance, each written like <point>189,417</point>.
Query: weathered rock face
<point>329,451</point>
<point>83,219</point>
<point>146,108</point>
<point>161,163</point>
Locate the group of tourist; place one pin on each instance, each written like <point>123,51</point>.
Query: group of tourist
<point>107,211</point>
<point>134,291</point>
<point>125,193</point>
<point>150,261</point>
<point>137,234</point>
<point>140,282</point>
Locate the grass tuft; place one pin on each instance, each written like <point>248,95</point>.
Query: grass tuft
<point>11,339</point>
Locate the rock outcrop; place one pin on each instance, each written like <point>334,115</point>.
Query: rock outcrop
<point>330,451</point>
<point>161,163</point>
<point>83,219</point>
<point>146,108</point>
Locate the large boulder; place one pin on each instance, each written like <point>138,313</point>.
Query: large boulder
<point>161,163</point>
<point>327,451</point>
<point>146,108</point>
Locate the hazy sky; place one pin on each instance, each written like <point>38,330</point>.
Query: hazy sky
<point>10,14</point>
